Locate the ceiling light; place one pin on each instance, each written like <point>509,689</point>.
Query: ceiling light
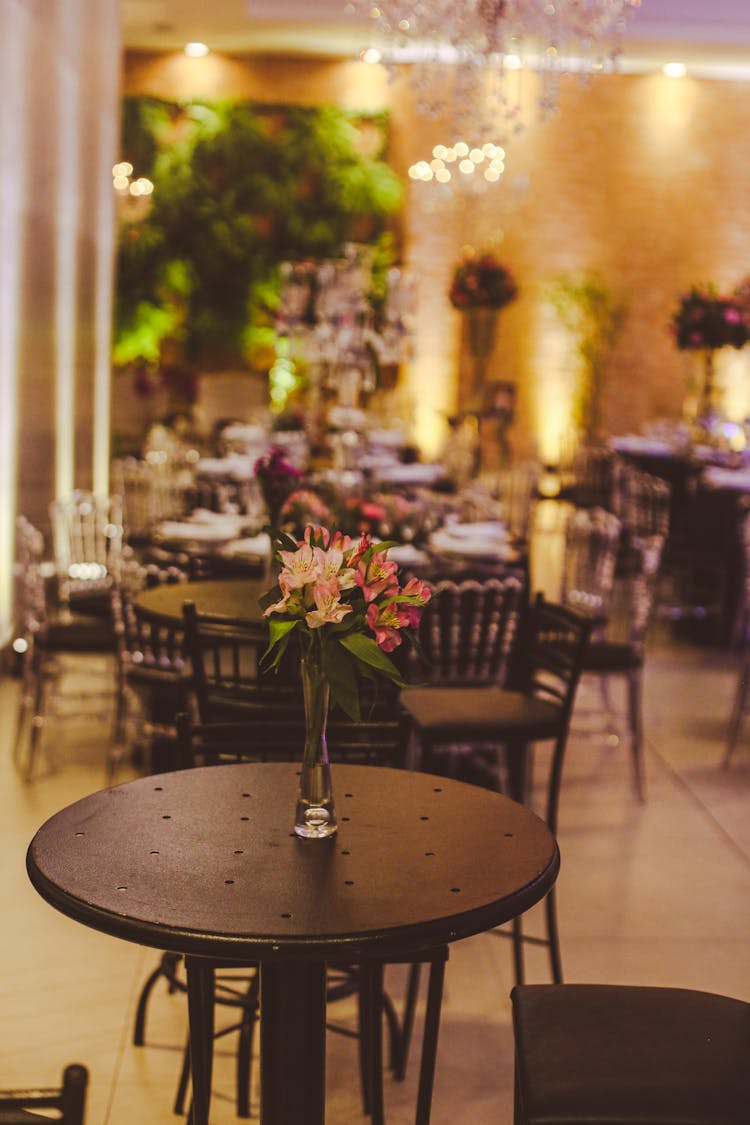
<point>371,55</point>
<point>196,50</point>
<point>674,70</point>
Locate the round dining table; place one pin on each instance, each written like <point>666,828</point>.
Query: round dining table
<point>204,862</point>
<point>233,598</point>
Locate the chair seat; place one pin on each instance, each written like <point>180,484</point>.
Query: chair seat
<point>78,633</point>
<point>612,656</point>
<point>628,1055</point>
<point>480,713</point>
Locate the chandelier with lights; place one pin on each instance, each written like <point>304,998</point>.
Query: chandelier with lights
<point>467,57</point>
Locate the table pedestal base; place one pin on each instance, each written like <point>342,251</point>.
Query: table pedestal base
<point>292,1042</point>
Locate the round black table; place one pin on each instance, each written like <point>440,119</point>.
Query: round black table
<point>204,863</point>
<point>234,598</point>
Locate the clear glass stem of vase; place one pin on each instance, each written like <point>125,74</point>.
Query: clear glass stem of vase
<point>315,816</point>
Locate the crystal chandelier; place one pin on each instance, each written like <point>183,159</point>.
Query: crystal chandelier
<point>467,57</point>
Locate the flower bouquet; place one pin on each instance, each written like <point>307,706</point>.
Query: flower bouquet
<point>704,320</point>
<point>302,508</point>
<point>342,602</point>
<point>277,478</point>
<point>481,281</point>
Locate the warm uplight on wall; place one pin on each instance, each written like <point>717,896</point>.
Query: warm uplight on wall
<point>674,70</point>
<point>196,50</point>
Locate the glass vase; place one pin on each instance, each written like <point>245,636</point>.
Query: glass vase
<point>315,816</point>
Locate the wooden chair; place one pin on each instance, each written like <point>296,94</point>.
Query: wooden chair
<point>629,1055</point>
<point>19,1107</point>
<point>44,636</point>
<point>740,703</point>
<point>540,710</point>
<point>619,649</point>
<point>154,684</point>
<point>87,539</point>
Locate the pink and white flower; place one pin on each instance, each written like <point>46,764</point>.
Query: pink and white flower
<point>377,577</point>
<point>386,622</point>
<point>329,607</point>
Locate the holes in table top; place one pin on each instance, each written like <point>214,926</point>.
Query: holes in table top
<point>348,882</point>
<point>158,789</point>
<point>429,853</point>
<point>229,882</point>
<point>455,890</point>
<point>346,852</point>
<point>286,914</point>
<point>80,833</point>
<point>166,816</point>
<point>437,790</point>
<point>346,818</point>
<point>348,794</point>
<point>508,835</point>
<point>238,851</point>
<point>153,853</point>
<point>245,794</point>
<point>424,818</point>
<point>122,888</point>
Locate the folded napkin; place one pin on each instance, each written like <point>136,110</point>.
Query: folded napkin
<point>255,545</point>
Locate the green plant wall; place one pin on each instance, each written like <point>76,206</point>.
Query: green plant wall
<point>238,188</point>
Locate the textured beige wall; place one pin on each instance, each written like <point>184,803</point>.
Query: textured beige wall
<point>642,179</point>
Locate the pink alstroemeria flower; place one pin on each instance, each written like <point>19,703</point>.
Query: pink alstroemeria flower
<point>300,567</point>
<point>421,595</point>
<point>329,606</point>
<point>332,567</point>
<point>385,622</point>
<point>377,577</point>
<point>732,316</point>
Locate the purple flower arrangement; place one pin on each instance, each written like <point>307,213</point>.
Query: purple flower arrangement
<point>481,281</point>
<point>706,320</point>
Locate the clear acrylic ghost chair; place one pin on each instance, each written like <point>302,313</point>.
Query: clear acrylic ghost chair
<point>87,538</point>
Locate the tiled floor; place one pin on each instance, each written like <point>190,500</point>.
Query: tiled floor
<point>658,893</point>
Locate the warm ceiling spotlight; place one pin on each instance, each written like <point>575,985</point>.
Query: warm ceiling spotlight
<point>196,50</point>
<point>371,55</point>
<point>674,70</point>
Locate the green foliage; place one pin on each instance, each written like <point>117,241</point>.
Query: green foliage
<point>594,316</point>
<point>237,189</point>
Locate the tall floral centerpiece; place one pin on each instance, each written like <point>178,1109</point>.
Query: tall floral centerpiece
<point>278,479</point>
<point>342,601</point>
<point>703,322</point>
<point>481,286</point>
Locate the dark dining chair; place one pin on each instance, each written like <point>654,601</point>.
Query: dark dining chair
<point>67,1101</point>
<point>742,685</point>
<point>629,1055</point>
<point>538,710</point>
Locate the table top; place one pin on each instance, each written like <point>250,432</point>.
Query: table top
<point>235,598</point>
<point>205,862</point>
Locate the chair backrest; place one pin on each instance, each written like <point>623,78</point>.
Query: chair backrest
<point>273,732</point>
<point>592,537</point>
<point>646,503</point>
<point>146,641</point>
<point>225,657</point>
<point>69,1100</point>
<point>646,554</point>
<point>87,534</point>
<point>30,600</point>
<point>467,632</point>
<point>518,494</point>
<point>554,654</point>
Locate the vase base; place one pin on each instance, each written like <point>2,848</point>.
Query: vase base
<point>314,822</point>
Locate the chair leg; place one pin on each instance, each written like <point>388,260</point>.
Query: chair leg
<point>37,722</point>
<point>371,1038</point>
<point>245,1048</point>
<point>635,720</point>
<point>166,968</point>
<point>553,937</point>
<point>738,709</point>
<point>430,1039</point>
<point>407,1023</point>
<point>178,1107</point>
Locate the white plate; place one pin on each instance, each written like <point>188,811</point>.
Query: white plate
<point>479,548</point>
<point>490,530</point>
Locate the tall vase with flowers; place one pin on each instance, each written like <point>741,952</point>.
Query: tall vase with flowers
<point>342,602</point>
<point>278,479</point>
<point>705,321</point>
<point>480,287</point>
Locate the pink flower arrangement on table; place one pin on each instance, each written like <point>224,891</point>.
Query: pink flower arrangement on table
<point>342,599</point>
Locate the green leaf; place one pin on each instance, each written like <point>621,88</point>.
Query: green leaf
<point>280,630</point>
<point>270,597</point>
<point>339,671</point>
<point>367,650</point>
